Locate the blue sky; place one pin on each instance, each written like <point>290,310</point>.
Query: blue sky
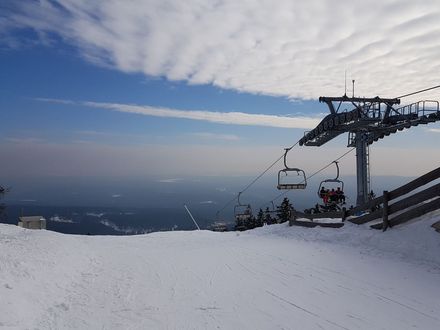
<point>166,88</point>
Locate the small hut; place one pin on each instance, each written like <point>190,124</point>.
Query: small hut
<point>33,222</point>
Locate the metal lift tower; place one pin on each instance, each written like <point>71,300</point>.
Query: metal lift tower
<point>367,121</point>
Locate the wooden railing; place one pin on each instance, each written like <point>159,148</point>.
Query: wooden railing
<point>408,208</point>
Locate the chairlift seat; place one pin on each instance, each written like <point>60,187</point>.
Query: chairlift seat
<point>301,184</point>
<point>291,186</point>
<point>243,216</point>
<point>340,184</point>
<point>242,212</point>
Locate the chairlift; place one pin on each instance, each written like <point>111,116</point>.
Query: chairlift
<point>291,178</point>
<point>268,210</point>
<point>218,224</point>
<point>334,183</point>
<point>242,212</point>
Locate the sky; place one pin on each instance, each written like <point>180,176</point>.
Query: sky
<point>205,88</point>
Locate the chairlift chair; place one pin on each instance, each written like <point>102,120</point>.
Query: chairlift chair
<point>242,212</point>
<point>289,173</point>
<point>269,211</point>
<point>217,218</point>
<point>334,183</point>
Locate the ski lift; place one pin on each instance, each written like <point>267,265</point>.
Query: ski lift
<point>219,225</point>
<point>269,210</point>
<point>242,212</point>
<point>286,177</point>
<point>334,183</point>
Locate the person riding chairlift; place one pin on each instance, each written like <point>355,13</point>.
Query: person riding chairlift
<point>324,194</point>
<point>333,198</point>
<point>340,195</point>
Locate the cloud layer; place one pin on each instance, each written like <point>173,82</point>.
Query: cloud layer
<point>30,159</point>
<point>294,48</point>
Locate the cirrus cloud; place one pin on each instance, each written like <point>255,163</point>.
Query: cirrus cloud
<point>230,118</point>
<point>294,48</point>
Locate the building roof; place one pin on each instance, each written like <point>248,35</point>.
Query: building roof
<point>32,218</point>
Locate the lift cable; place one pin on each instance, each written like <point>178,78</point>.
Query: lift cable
<point>417,92</point>
<point>256,179</point>
<point>312,175</point>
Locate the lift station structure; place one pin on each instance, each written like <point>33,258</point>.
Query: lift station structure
<point>369,120</point>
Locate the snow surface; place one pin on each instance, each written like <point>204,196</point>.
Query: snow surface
<point>275,277</point>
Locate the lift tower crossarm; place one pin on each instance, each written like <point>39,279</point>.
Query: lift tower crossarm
<point>345,98</point>
<point>364,122</point>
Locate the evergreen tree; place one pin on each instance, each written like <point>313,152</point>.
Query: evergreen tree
<point>260,218</point>
<point>251,223</point>
<point>284,210</point>
<point>3,191</point>
<point>240,224</point>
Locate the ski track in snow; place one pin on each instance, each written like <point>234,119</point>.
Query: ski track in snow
<point>275,277</point>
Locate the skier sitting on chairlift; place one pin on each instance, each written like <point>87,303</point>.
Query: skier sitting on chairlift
<point>333,198</point>
<point>340,196</point>
<point>324,194</point>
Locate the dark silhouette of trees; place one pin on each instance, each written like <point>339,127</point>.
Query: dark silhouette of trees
<point>260,219</point>
<point>3,191</point>
<point>248,221</point>
<point>284,210</point>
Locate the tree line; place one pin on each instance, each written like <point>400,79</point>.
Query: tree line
<point>264,217</point>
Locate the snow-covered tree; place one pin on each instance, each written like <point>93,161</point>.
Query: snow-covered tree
<point>260,218</point>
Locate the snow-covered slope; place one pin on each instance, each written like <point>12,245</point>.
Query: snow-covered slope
<point>276,277</point>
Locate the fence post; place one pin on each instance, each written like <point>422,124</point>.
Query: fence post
<point>344,214</point>
<point>385,222</point>
<point>292,217</point>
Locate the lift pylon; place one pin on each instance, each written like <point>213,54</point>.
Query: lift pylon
<point>367,121</point>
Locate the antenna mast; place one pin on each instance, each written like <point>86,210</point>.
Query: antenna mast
<point>345,83</point>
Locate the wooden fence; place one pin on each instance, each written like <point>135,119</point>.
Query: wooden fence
<point>403,210</point>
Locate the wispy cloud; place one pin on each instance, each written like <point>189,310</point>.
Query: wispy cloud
<point>230,118</point>
<point>290,48</point>
<point>58,101</point>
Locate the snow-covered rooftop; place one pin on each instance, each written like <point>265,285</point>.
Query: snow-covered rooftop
<point>31,218</point>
